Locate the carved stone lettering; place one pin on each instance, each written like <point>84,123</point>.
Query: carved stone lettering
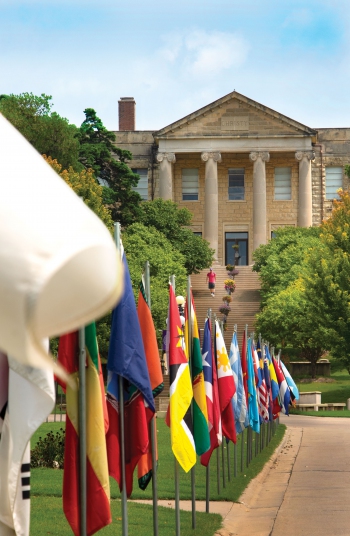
<point>235,122</point>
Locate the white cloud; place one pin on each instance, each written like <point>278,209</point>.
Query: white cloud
<point>211,53</point>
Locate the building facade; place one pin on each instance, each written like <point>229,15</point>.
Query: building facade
<point>242,169</point>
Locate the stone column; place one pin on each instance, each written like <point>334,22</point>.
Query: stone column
<point>166,175</point>
<point>305,187</point>
<point>211,203</point>
<point>259,197</point>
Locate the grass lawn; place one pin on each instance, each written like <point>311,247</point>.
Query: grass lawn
<point>46,490</point>
<point>337,390</point>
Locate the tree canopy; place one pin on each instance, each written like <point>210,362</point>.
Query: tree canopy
<point>49,133</point>
<point>143,244</point>
<point>98,152</point>
<point>173,222</point>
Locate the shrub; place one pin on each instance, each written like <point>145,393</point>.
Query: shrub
<point>49,451</point>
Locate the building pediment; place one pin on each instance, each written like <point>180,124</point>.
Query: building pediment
<point>234,116</point>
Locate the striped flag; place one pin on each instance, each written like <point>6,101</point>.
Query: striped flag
<point>181,394</point>
<point>226,386</point>
<point>155,374</point>
<point>263,394</point>
<point>98,495</point>
<point>276,408</point>
<point>27,396</point>
<point>245,366</point>
<point>199,406</point>
<point>284,392</point>
<point>212,394</point>
<point>126,359</point>
<point>294,389</point>
<point>239,399</point>
<point>253,409</point>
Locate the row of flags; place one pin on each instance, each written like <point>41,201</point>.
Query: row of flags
<point>213,395</point>
<point>228,392</point>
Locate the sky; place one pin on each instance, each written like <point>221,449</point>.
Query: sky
<point>175,57</point>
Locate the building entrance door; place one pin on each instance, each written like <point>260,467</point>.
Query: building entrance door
<point>237,256</point>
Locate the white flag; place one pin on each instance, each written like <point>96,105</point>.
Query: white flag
<point>59,267</point>
<point>31,397</point>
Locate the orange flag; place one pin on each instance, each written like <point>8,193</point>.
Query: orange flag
<point>155,374</point>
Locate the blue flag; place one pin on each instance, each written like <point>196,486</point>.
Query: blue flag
<point>239,399</point>
<point>253,409</point>
<point>126,355</point>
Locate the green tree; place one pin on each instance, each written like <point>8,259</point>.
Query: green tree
<point>281,260</point>
<point>148,244</point>
<point>287,317</point>
<point>98,152</point>
<point>173,223</point>
<point>288,320</point>
<point>49,133</point>
<point>327,282</point>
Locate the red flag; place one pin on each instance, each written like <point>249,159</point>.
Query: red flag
<point>126,359</point>
<point>212,394</point>
<point>245,366</point>
<point>226,386</point>
<point>156,378</point>
<point>98,500</point>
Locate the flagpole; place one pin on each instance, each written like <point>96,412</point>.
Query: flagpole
<point>177,483</point>
<point>82,431</point>
<point>222,437</point>
<point>207,472</point>
<point>153,424</point>
<point>121,423</point>
<point>190,357</point>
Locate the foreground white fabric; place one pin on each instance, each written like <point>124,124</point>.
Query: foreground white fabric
<point>59,267</point>
<point>30,396</point>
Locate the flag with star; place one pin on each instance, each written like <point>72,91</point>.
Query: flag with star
<point>226,386</point>
<point>239,399</point>
<point>199,404</point>
<point>212,394</point>
<point>179,413</point>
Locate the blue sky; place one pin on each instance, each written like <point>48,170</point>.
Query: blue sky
<point>175,57</point>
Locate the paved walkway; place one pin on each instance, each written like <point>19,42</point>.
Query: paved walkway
<point>303,491</point>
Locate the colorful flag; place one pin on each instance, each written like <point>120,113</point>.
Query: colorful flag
<point>263,394</point>
<point>212,394</point>
<point>294,389</point>
<point>98,495</point>
<point>284,392</point>
<point>27,397</point>
<point>150,344</point>
<point>254,420</point>
<point>268,381</point>
<point>181,393</point>
<point>239,398</point>
<point>226,386</point>
<point>126,358</point>
<point>245,366</point>
<point>199,404</point>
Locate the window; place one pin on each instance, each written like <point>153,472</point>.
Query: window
<point>197,233</point>
<point>283,183</point>
<point>190,184</point>
<point>236,248</point>
<point>334,181</point>
<point>142,187</point>
<point>236,184</point>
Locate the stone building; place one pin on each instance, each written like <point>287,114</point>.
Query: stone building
<point>241,168</point>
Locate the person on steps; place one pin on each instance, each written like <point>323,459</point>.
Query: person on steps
<point>211,278</point>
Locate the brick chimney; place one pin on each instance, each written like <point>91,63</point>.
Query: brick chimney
<point>126,108</point>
